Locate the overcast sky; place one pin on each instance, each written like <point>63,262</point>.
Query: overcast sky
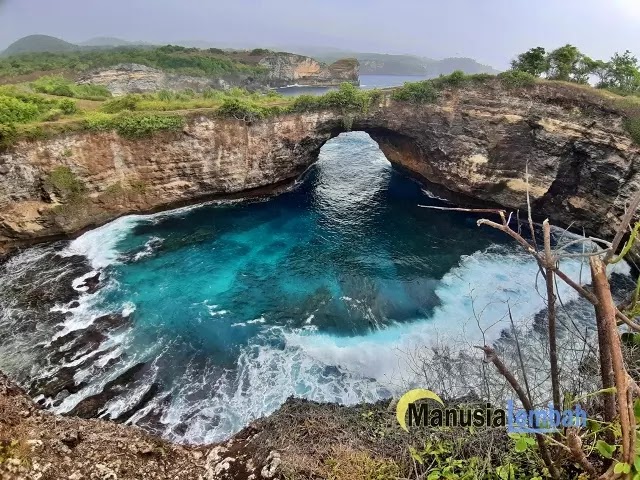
<point>491,31</point>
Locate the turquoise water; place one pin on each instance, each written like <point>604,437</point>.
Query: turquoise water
<point>319,292</point>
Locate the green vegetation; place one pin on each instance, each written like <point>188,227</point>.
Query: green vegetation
<point>60,86</point>
<point>133,125</point>
<point>632,125</point>
<point>428,91</point>
<point>348,99</point>
<point>621,74</point>
<point>17,106</point>
<point>189,61</point>
<point>62,181</point>
<point>517,79</point>
<point>418,92</point>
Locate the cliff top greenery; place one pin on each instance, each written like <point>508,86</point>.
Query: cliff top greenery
<point>189,61</point>
<point>617,80</point>
<point>52,104</point>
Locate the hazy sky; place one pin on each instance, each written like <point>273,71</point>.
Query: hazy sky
<point>491,31</point>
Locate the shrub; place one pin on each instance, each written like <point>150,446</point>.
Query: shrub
<point>98,121</point>
<point>53,115</point>
<point>516,79</point>
<point>347,99</point>
<point>259,51</point>
<point>210,93</point>
<point>305,103</point>
<point>64,182</point>
<point>13,110</point>
<point>8,134</point>
<point>165,95</point>
<point>60,86</point>
<point>417,92</point>
<point>121,104</point>
<point>241,110</point>
<point>138,186</point>
<point>632,126</point>
<point>455,79</point>
<point>138,125</point>
<point>133,125</point>
<point>171,58</point>
<point>68,106</point>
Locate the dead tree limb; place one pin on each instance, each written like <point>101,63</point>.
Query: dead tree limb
<point>575,446</point>
<point>550,263</point>
<point>624,225</point>
<point>492,357</point>
<point>606,312</point>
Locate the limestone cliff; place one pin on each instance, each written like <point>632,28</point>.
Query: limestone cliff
<point>132,78</point>
<point>474,142</point>
<point>280,69</point>
<point>289,69</point>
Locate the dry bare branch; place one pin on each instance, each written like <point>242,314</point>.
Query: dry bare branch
<point>624,225</point>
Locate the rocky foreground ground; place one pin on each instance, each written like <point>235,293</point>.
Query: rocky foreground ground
<point>301,440</point>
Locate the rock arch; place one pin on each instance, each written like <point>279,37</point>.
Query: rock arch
<point>475,143</point>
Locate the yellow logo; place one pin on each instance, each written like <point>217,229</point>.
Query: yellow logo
<point>410,397</point>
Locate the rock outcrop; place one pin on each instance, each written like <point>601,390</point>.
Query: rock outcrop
<point>474,142</point>
<point>280,69</point>
<point>289,69</point>
<point>133,78</point>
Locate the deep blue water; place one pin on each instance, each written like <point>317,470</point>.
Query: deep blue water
<point>319,292</point>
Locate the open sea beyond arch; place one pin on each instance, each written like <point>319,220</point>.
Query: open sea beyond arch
<point>319,292</point>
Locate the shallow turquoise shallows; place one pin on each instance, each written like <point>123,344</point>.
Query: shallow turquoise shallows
<point>321,292</point>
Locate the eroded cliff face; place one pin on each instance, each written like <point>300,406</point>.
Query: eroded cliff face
<point>209,157</point>
<point>583,167</point>
<point>290,69</point>
<point>475,143</point>
<point>280,69</point>
<point>133,78</point>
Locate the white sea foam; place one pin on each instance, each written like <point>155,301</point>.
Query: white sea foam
<point>308,362</point>
<point>149,248</point>
<point>430,194</point>
<point>128,309</point>
<point>324,367</point>
<point>100,245</point>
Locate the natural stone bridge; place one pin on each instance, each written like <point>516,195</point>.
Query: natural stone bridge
<point>475,143</point>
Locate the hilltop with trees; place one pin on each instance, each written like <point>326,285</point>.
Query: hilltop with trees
<point>620,74</point>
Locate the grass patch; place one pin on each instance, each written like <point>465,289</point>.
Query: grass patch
<point>417,92</point>
<point>60,86</point>
<point>138,186</point>
<point>517,79</point>
<point>248,110</point>
<point>428,91</point>
<point>358,465</point>
<point>133,125</point>
<point>64,183</point>
<point>18,106</point>
<point>632,126</point>
<point>347,99</point>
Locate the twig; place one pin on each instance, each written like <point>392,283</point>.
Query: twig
<point>550,263</point>
<point>624,224</point>
<point>497,211</point>
<point>529,216</point>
